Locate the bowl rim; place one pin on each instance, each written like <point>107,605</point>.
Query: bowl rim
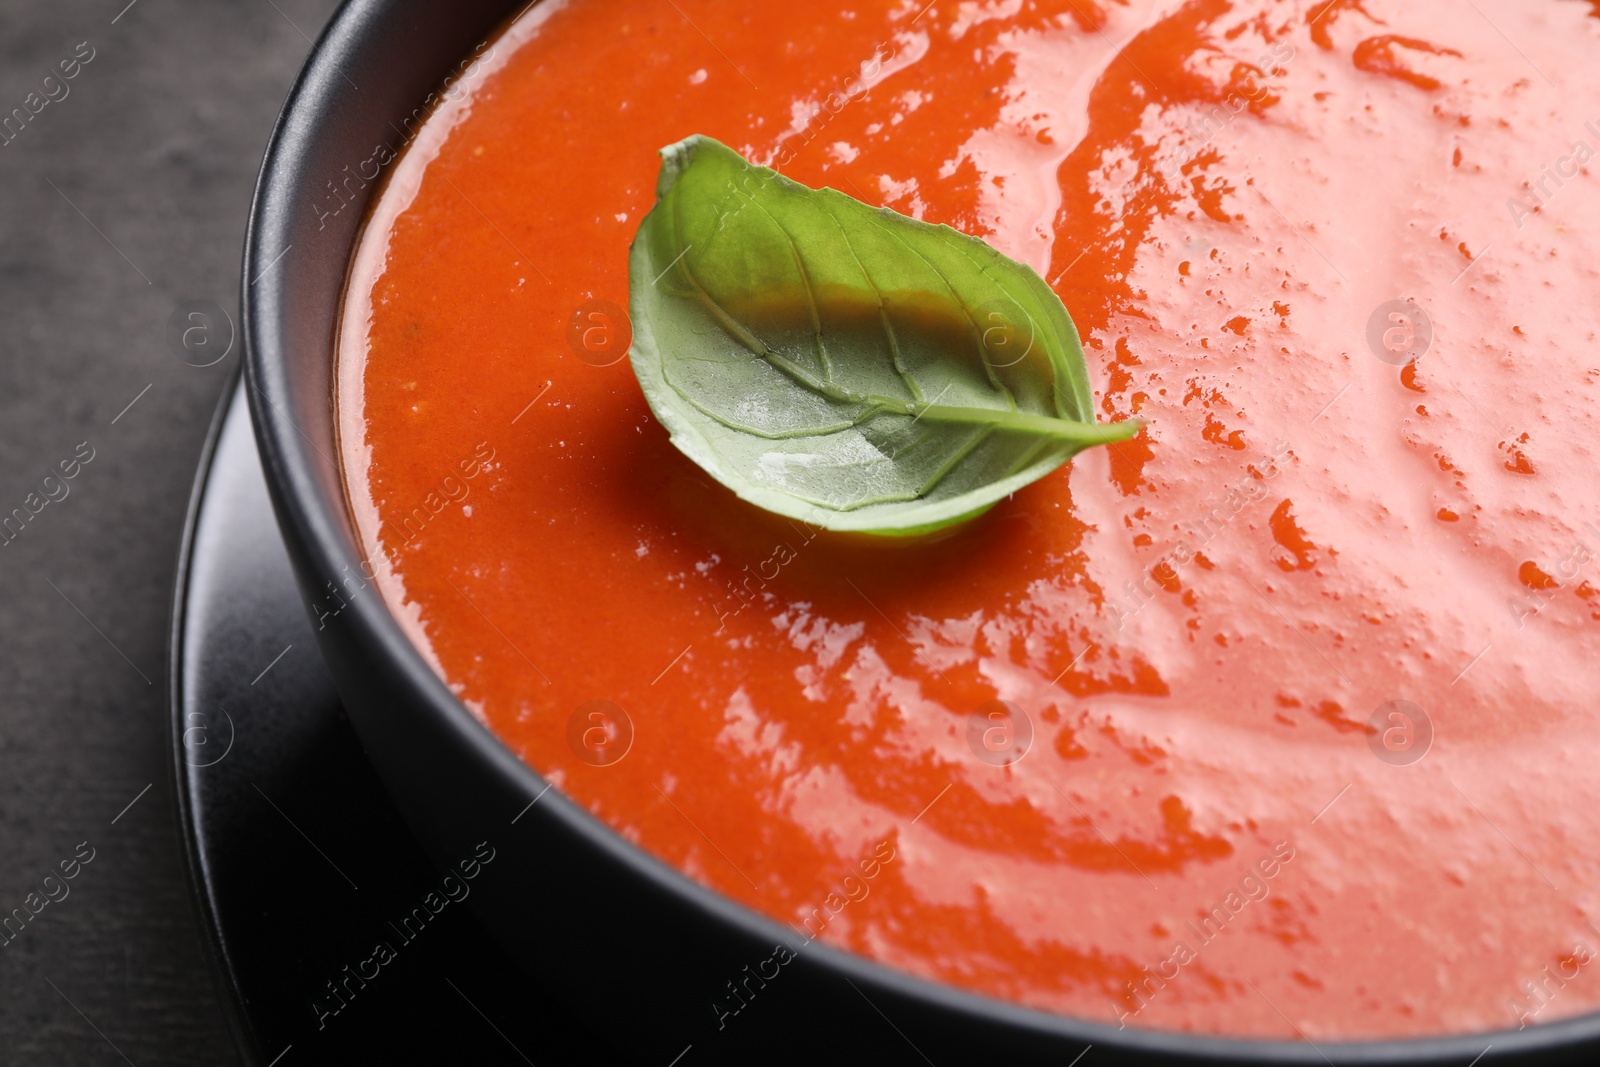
<point>321,528</point>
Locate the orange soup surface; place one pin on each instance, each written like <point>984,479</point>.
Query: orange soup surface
<point>1278,720</point>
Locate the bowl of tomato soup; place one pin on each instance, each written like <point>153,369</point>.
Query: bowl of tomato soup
<point>1262,737</point>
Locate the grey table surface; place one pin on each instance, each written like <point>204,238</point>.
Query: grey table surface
<point>119,200</point>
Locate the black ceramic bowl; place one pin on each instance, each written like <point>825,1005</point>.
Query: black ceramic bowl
<point>632,945</point>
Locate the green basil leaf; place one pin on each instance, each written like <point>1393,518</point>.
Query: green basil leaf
<point>843,364</point>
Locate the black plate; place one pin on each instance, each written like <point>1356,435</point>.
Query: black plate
<point>298,860</point>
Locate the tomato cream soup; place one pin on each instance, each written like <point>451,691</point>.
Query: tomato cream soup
<point>1278,720</point>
